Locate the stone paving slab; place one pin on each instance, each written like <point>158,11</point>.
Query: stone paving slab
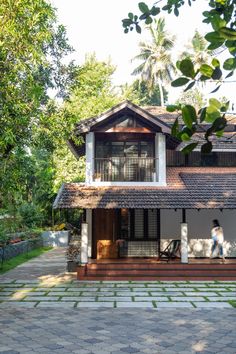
<point>42,298</point>
<point>223,298</point>
<point>140,304</point>
<point>151,298</point>
<point>115,298</point>
<point>201,293</point>
<point>174,304</point>
<point>187,298</point>
<point>56,304</point>
<point>95,304</point>
<point>212,304</point>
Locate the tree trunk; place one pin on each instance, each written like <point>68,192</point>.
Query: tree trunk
<point>161,92</point>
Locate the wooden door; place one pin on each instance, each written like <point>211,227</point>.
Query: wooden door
<point>103,227</point>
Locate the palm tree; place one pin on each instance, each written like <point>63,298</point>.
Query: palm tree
<point>156,67</point>
<point>197,50</point>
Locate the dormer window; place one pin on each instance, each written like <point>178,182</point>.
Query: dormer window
<point>124,160</point>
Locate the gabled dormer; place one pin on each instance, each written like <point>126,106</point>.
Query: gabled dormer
<point>125,146</point>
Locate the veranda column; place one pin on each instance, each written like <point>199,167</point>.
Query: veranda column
<point>89,157</point>
<point>84,243</point>
<point>160,154</point>
<point>184,238</point>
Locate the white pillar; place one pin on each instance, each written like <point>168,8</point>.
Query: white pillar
<point>89,157</point>
<point>89,222</point>
<point>160,154</point>
<point>184,242</point>
<point>84,243</point>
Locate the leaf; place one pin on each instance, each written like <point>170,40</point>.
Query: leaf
<point>171,108</point>
<point>217,22</point>
<point>229,74</point>
<point>202,114</point>
<point>143,7</point>
<point>216,89</point>
<point>206,70</point>
<point>175,128</point>
<point>138,29</point>
<point>215,62</point>
<point>230,64</point>
<point>216,44</point>
<point>206,148</point>
<point>131,15</point>
<point>227,33</point>
<point>214,103</point>
<point>148,20</point>
<point>217,74</point>
<point>155,11</point>
<point>189,86</point>
<point>189,148</point>
<point>180,82</point>
<point>176,11</point>
<point>189,115</point>
<point>187,68</point>
<point>219,124</point>
<point>212,114</point>
<point>213,37</point>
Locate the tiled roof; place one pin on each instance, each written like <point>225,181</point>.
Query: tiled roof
<point>189,187</point>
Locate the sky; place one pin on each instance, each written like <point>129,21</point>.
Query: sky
<point>94,26</point>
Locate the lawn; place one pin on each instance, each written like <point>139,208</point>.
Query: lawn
<point>22,258</point>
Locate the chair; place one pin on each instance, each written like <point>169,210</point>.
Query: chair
<point>172,250</point>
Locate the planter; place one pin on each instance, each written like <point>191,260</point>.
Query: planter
<point>71,266</point>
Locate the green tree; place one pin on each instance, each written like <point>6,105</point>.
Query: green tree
<point>220,15</point>
<point>197,50</point>
<point>156,67</point>
<point>91,95</point>
<point>32,46</point>
<point>192,97</point>
<point>139,93</point>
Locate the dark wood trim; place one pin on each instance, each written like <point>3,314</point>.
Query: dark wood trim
<point>132,224</point>
<point>124,136</point>
<point>159,230</point>
<point>145,224</point>
<point>183,215</point>
<point>118,223</point>
<point>94,246</point>
<point>129,130</point>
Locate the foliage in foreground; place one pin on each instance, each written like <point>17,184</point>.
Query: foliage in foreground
<point>220,15</point>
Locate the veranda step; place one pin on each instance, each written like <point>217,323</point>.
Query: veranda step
<point>158,278</point>
<point>158,266</point>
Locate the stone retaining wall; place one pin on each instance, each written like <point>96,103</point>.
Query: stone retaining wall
<point>15,249</point>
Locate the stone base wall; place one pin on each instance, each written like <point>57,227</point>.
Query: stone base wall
<point>16,249</point>
<point>202,247</point>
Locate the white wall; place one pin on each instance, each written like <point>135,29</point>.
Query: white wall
<point>199,223</point>
<point>199,230</point>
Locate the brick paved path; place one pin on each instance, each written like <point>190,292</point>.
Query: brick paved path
<point>117,331</point>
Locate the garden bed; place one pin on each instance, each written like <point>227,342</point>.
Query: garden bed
<point>14,249</point>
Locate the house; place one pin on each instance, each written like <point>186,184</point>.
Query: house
<point>141,190</point>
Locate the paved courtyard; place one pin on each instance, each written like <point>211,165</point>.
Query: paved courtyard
<point>43,309</point>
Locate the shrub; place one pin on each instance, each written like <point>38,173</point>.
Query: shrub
<point>30,215</point>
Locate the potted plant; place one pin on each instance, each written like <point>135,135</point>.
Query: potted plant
<point>73,256</point>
